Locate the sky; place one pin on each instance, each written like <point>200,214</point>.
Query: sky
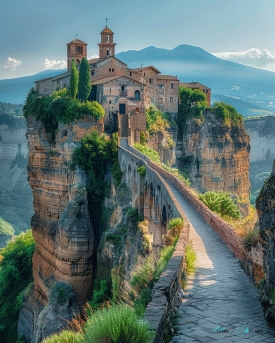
<point>34,33</point>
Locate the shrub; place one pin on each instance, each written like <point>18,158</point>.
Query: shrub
<point>101,293</point>
<point>60,293</point>
<point>175,225</point>
<point>116,324</point>
<point>221,203</point>
<point>141,170</point>
<point>190,259</point>
<point>15,276</point>
<point>152,154</point>
<point>64,337</point>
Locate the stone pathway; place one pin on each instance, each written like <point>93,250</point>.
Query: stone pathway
<point>221,303</point>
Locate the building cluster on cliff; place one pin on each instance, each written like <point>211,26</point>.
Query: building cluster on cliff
<point>123,92</point>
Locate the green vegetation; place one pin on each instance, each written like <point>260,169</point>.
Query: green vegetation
<point>116,324</point>
<point>65,337</point>
<point>60,293</point>
<point>6,228</point>
<point>192,103</point>
<point>141,170</point>
<point>84,83</point>
<point>158,122</point>
<point>251,236</point>
<point>190,259</point>
<point>101,293</point>
<point>73,80</point>
<point>59,107</point>
<point>221,203</point>
<point>176,225</point>
<point>94,155</point>
<point>15,276</point>
<point>227,114</point>
<point>152,154</point>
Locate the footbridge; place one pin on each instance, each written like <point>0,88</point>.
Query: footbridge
<point>220,302</point>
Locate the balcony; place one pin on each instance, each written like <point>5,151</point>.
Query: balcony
<point>123,94</point>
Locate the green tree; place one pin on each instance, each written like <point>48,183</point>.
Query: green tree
<point>73,80</point>
<point>15,276</point>
<point>84,84</point>
<point>191,103</point>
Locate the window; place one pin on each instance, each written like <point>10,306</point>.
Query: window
<point>144,74</point>
<point>160,100</point>
<point>206,91</point>
<point>107,38</point>
<point>161,86</point>
<point>110,101</point>
<point>123,88</point>
<point>171,99</point>
<point>171,85</point>
<point>130,73</point>
<point>92,72</point>
<point>137,95</point>
<point>150,80</point>
<point>69,50</point>
<point>110,90</point>
<point>108,52</point>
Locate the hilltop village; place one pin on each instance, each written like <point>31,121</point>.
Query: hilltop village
<point>135,186</point>
<point>119,89</point>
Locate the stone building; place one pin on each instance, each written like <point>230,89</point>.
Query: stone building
<point>120,90</point>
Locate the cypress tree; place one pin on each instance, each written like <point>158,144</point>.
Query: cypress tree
<point>73,80</point>
<point>84,84</point>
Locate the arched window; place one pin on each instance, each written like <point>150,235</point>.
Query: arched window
<point>137,95</point>
<point>108,52</point>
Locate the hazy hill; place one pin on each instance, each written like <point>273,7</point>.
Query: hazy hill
<point>250,90</point>
<point>252,87</point>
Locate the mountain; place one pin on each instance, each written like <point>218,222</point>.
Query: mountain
<point>250,89</point>
<point>14,91</point>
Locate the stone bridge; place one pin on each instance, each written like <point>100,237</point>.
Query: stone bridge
<point>220,302</point>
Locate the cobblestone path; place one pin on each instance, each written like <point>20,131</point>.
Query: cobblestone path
<point>220,303</point>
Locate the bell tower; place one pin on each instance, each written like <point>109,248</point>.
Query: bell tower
<point>76,49</point>
<point>107,45</point>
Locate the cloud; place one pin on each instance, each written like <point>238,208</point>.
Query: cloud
<point>12,64</point>
<point>54,65</point>
<point>92,57</point>
<point>252,57</point>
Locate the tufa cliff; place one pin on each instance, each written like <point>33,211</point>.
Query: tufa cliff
<point>64,254</point>
<point>265,205</point>
<point>216,155</point>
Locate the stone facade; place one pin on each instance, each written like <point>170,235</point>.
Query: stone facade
<point>119,89</point>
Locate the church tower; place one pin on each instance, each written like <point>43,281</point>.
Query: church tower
<point>76,49</point>
<point>107,45</point>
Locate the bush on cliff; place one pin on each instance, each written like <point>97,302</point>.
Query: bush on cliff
<point>59,107</point>
<point>221,203</point>
<point>116,324</point>
<point>15,276</point>
<point>227,113</point>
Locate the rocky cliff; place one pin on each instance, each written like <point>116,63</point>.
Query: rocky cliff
<point>64,254</point>
<point>216,155</point>
<point>265,205</point>
<point>15,192</point>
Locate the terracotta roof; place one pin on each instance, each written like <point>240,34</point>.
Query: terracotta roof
<point>108,79</point>
<point>94,60</point>
<point>57,77</point>
<point>104,59</point>
<point>78,41</point>
<point>167,77</point>
<point>194,84</point>
<point>107,30</point>
<point>149,67</point>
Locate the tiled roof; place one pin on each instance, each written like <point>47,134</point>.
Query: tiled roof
<point>193,84</point>
<point>77,41</point>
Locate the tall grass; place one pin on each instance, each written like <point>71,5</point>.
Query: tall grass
<point>117,324</point>
<point>190,259</point>
<point>65,337</point>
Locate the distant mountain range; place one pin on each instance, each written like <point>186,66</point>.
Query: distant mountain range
<point>250,90</point>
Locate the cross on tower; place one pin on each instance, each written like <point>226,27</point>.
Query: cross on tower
<point>106,21</point>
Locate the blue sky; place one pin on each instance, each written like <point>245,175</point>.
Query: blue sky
<point>34,33</point>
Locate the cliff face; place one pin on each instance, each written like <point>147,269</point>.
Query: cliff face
<point>61,227</point>
<point>262,139</point>
<point>216,156</point>
<point>15,192</point>
<point>265,205</point>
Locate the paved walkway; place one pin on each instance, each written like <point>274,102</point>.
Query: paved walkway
<point>221,304</point>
